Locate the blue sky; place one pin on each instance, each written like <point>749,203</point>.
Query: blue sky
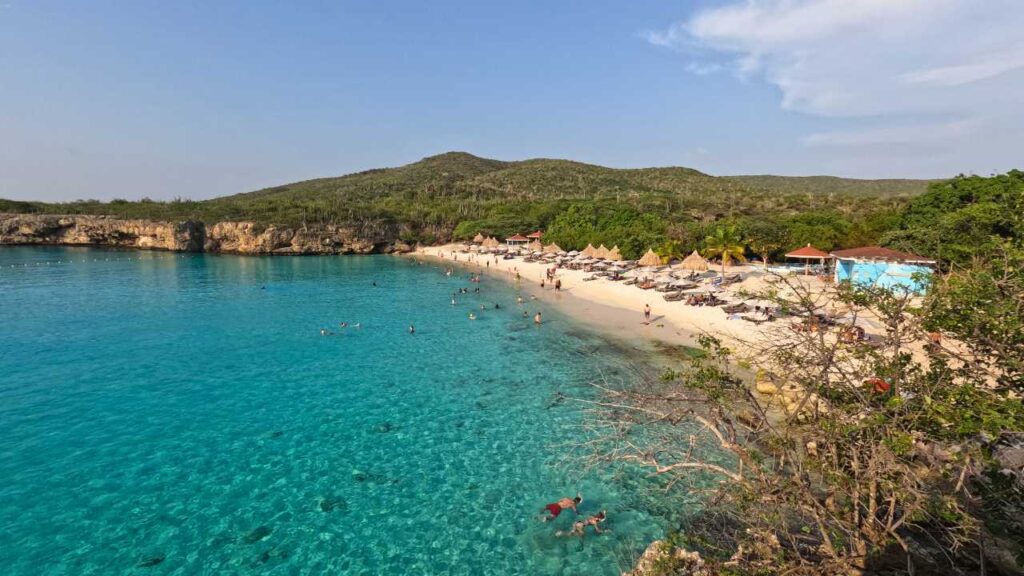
<point>199,99</point>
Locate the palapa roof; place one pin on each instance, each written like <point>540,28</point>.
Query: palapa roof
<point>694,262</point>
<point>880,253</point>
<point>614,254</point>
<point>808,251</point>
<point>535,245</point>
<point>601,252</point>
<point>536,234</point>
<point>650,259</point>
<point>478,238</point>
<point>553,248</point>
<point>492,242</point>
<point>589,251</point>
<point>517,238</point>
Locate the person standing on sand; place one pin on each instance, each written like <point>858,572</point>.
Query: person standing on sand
<point>558,284</point>
<point>647,313</point>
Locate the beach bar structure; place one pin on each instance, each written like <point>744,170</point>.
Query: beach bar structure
<point>807,254</point>
<point>535,235</point>
<point>883,267</point>
<point>517,240</point>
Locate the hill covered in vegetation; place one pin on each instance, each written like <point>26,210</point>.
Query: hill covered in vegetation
<point>457,195</point>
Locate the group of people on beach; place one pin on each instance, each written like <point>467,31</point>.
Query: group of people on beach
<point>579,527</point>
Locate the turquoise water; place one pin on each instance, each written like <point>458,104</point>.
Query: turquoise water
<point>181,414</point>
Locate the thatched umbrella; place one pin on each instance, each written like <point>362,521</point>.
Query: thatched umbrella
<point>694,262</point>
<point>614,254</point>
<point>553,248</point>
<point>478,238</point>
<point>535,245</point>
<point>601,252</point>
<point>589,251</point>
<point>650,259</point>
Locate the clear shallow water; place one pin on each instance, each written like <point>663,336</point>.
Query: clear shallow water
<point>181,414</point>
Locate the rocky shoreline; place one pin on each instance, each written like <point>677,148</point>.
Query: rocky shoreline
<point>189,236</point>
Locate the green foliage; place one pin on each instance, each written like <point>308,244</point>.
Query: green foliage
<point>458,195</point>
<point>958,219</point>
<point>727,244</point>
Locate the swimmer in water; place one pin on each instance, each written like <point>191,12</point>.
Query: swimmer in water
<point>536,319</point>
<point>556,508</point>
<point>497,306</point>
<point>325,332</point>
<point>343,324</point>
<point>580,526</point>
<point>472,316</point>
<point>453,301</point>
<point>412,329</point>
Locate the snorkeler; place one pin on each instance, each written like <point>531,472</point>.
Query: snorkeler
<point>580,526</point>
<point>565,503</point>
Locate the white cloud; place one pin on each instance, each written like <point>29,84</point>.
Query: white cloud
<point>909,71</point>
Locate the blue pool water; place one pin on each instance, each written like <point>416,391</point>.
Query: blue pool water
<point>181,414</point>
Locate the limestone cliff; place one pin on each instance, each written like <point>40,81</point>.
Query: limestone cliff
<point>188,236</point>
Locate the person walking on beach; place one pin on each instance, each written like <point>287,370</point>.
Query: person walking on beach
<point>558,284</point>
<point>555,508</point>
<point>647,313</point>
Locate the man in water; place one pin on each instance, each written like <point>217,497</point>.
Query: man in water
<point>536,319</point>
<point>579,527</point>
<point>412,329</point>
<point>556,508</point>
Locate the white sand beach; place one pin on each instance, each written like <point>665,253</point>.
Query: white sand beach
<point>617,309</point>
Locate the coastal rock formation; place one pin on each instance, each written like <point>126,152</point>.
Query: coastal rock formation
<point>663,558</point>
<point>188,236</point>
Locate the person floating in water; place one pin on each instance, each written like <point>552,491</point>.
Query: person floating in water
<point>472,316</point>
<point>326,332</point>
<point>343,324</point>
<point>497,306</point>
<point>536,319</point>
<point>556,508</point>
<point>412,329</point>
<point>580,526</point>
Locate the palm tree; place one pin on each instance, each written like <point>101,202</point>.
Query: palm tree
<point>727,244</point>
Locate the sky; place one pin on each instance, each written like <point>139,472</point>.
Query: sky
<point>192,99</point>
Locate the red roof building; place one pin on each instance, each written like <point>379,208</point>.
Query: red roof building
<point>535,235</point>
<point>517,239</point>
<point>880,253</point>
<point>808,252</point>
